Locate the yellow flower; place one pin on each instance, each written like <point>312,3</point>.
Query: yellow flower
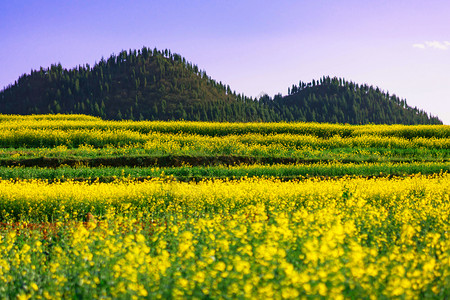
<point>220,266</point>
<point>289,293</point>
<point>34,286</point>
<point>23,297</point>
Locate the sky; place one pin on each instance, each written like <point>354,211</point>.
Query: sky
<point>256,47</point>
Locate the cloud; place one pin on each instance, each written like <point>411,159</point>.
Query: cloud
<point>420,46</point>
<point>445,45</point>
<point>437,45</point>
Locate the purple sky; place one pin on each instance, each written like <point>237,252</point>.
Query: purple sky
<point>254,46</point>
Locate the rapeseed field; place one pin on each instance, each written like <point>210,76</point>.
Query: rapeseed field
<point>291,226</point>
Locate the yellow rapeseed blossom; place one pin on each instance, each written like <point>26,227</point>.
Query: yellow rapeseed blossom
<point>249,238</point>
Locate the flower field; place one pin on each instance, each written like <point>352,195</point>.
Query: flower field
<point>220,210</point>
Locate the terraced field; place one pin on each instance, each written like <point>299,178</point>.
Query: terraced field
<point>93,208</point>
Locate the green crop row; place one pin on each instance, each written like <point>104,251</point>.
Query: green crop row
<point>32,138</point>
<point>293,171</point>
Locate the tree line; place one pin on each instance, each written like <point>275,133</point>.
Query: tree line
<point>152,84</point>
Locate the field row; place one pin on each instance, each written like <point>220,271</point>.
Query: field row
<point>166,156</point>
<point>253,238</point>
<point>186,173</point>
<point>324,130</point>
<point>38,200</point>
<point>31,138</point>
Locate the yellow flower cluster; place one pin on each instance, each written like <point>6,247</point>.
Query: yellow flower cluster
<point>77,130</point>
<point>221,128</point>
<point>252,238</point>
<point>249,238</point>
<point>100,142</point>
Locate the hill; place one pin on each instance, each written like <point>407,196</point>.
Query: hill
<point>336,100</point>
<point>136,84</point>
<point>158,85</point>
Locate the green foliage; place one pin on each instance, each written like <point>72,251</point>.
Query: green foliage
<point>187,173</point>
<point>336,100</point>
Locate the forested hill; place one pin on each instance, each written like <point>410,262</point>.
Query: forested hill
<point>336,100</point>
<point>148,84</point>
<point>159,85</point>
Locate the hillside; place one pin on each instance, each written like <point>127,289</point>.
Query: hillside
<point>136,84</point>
<point>158,85</point>
<point>336,100</point>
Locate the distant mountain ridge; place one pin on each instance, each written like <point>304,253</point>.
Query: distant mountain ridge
<point>158,85</point>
